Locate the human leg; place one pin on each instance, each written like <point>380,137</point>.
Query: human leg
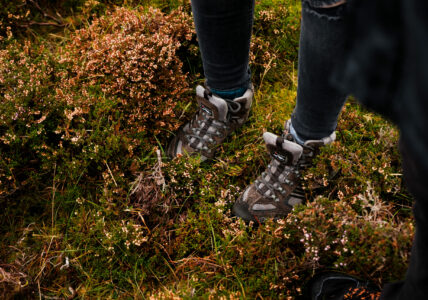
<point>322,38</point>
<point>224,32</point>
<point>313,122</point>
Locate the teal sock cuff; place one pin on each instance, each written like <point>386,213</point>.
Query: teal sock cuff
<point>232,94</point>
<point>296,136</point>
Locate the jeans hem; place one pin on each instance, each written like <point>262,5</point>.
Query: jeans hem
<point>239,83</point>
<point>305,134</point>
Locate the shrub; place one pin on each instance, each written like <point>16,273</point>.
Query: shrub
<point>105,96</point>
<point>131,58</point>
<point>29,114</point>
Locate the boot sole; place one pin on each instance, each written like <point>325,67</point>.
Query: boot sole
<point>241,210</point>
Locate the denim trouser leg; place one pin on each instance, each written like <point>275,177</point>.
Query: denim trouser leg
<point>321,48</point>
<point>224,31</point>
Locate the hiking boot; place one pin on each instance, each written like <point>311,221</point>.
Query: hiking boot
<point>278,188</point>
<point>339,286</point>
<point>212,123</point>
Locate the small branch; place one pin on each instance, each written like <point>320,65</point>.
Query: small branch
<point>7,194</point>
<point>160,180</point>
<point>46,15</point>
<point>111,174</point>
<point>53,198</point>
<point>40,24</point>
<point>73,293</point>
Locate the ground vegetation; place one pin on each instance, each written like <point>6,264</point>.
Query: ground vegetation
<point>92,208</point>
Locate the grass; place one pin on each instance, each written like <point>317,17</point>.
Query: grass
<point>71,226</point>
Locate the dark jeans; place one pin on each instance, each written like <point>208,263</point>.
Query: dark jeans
<point>224,33</point>
<point>321,46</point>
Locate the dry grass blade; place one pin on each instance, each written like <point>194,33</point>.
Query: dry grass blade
<point>147,190</point>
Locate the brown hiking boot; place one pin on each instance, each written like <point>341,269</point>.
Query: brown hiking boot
<point>278,188</point>
<point>212,123</point>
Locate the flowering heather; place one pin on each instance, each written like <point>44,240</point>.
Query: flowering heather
<point>110,92</point>
<point>131,57</point>
<point>27,113</point>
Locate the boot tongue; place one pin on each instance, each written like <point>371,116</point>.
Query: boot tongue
<point>214,103</point>
<point>283,150</point>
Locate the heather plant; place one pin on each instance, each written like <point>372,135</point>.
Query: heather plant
<point>374,170</point>
<point>29,115</point>
<point>131,58</point>
<point>110,91</point>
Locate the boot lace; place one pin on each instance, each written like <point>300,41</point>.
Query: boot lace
<point>278,172</point>
<point>271,179</point>
<point>216,128</point>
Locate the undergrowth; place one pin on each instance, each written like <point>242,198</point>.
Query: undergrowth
<point>93,209</point>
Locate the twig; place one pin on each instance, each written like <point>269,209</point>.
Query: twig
<point>44,13</point>
<point>266,70</point>
<point>50,297</point>
<point>45,260</point>
<point>40,292</point>
<point>11,277</point>
<point>160,180</point>
<point>73,293</point>
<point>3,196</point>
<point>136,184</point>
<point>40,24</point>
<point>111,174</point>
<point>197,260</point>
<point>53,198</point>
<point>66,265</point>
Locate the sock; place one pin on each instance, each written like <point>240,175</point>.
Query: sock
<point>230,94</point>
<point>295,136</point>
